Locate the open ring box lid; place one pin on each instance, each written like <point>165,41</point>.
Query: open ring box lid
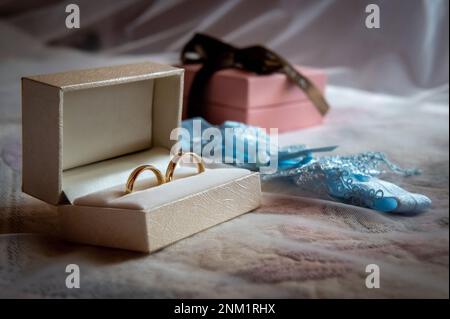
<point>85,131</point>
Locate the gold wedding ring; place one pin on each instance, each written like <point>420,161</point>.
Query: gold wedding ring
<point>174,161</point>
<point>137,171</point>
<point>169,172</point>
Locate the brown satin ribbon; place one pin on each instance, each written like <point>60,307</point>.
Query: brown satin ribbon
<point>216,55</point>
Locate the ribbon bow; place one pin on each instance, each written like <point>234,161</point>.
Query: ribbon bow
<point>216,55</point>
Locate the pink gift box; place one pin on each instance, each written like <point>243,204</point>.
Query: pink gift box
<point>268,101</point>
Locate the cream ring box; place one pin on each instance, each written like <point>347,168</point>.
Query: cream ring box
<point>85,131</point>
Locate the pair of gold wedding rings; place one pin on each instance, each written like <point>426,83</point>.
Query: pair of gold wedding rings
<point>168,177</point>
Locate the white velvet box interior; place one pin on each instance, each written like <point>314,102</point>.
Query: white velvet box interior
<point>107,132</point>
<point>105,122</point>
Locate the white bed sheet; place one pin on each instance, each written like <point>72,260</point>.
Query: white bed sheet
<point>388,93</point>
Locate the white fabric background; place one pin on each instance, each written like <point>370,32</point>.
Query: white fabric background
<point>410,50</point>
<point>388,92</point>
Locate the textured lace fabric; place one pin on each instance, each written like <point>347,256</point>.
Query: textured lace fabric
<point>348,179</point>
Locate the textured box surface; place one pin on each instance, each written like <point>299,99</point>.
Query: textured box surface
<point>85,131</point>
<point>266,101</point>
<point>243,89</point>
<point>155,228</point>
<point>285,116</point>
